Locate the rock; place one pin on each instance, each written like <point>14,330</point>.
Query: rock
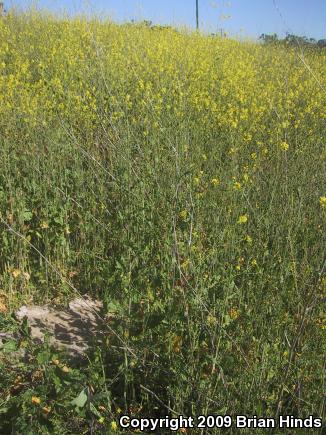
<point>73,329</point>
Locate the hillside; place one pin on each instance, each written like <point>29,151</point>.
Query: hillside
<point>180,179</point>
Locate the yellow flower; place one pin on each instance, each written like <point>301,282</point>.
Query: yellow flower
<point>237,185</point>
<point>254,262</point>
<point>114,425</point>
<point>322,201</point>
<point>44,225</point>
<point>246,177</point>
<point>243,219</point>
<point>16,273</point>
<point>211,320</point>
<point>248,239</point>
<point>183,214</point>
<point>46,409</point>
<point>234,314</point>
<point>36,400</point>
<point>215,181</point>
<point>185,263</point>
<point>3,308</point>
<point>285,124</point>
<point>284,146</point>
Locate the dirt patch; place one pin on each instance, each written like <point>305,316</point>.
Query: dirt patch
<point>74,329</point>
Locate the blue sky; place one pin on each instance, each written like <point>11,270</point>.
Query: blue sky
<point>237,17</point>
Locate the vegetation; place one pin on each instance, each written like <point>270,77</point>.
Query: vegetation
<point>181,179</point>
<point>291,39</point>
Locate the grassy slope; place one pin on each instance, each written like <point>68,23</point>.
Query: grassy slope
<point>128,157</point>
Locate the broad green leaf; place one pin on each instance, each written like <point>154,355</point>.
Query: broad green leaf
<point>80,400</point>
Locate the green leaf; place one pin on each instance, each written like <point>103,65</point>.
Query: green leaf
<point>43,357</point>
<point>227,320</point>
<point>57,383</point>
<point>114,307</point>
<point>10,346</point>
<point>94,410</point>
<point>27,215</point>
<point>58,220</point>
<point>81,399</point>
